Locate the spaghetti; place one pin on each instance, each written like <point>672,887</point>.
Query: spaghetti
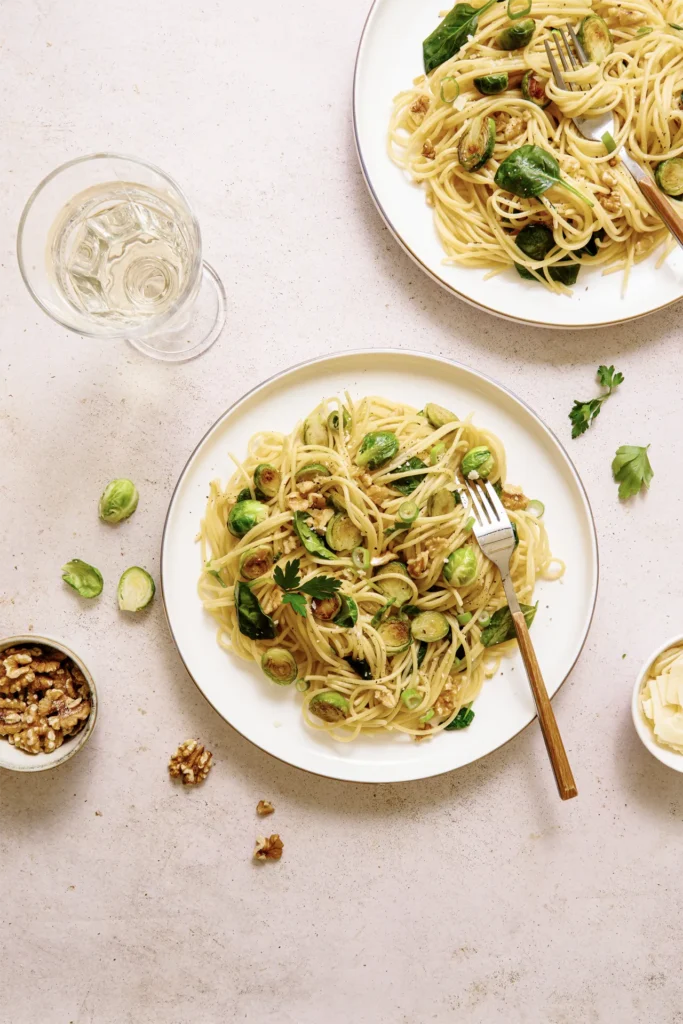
<point>364,496</point>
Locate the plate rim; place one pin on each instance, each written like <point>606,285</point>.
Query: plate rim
<point>451,289</point>
<point>432,357</point>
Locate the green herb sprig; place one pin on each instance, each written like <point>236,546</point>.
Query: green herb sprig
<point>583,413</point>
<point>631,469</point>
<point>289,580</point>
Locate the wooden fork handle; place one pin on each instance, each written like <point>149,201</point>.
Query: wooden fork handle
<point>659,202</point>
<point>546,715</point>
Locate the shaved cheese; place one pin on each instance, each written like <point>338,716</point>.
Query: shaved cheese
<point>661,699</point>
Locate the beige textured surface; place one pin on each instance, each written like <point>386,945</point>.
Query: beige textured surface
<point>476,897</point>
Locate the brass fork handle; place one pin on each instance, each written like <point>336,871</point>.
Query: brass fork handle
<point>663,207</point>
<point>546,716</point>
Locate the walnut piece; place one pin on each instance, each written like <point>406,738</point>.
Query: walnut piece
<point>191,762</point>
<point>420,106</point>
<point>264,807</point>
<point>513,498</point>
<point>418,566</point>
<point>268,848</point>
<point>320,517</point>
<point>289,544</point>
<point>428,151</point>
<point>296,503</point>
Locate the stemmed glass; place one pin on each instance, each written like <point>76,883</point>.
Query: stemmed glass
<point>108,246</point>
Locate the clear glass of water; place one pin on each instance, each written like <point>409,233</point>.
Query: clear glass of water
<point>108,246</point>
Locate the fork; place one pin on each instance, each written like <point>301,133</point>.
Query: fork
<point>493,530</point>
<point>594,128</point>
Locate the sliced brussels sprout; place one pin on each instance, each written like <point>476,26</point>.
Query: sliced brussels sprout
<point>476,145</point>
<point>442,502</point>
<point>491,85</point>
<point>84,578</point>
<point>331,707</point>
<point>325,609</point>
<point>460,568</point>
<point>279,665</point>
<point>430,627</point>
<point>333,420</point>
<point>392,581</point>
<point>245,515</point>
<point>533,89</point>
<point>315,429</point>
<point>256,562</point>
<point>412,699</point>
<point>119,500</point>
<point>377,448</point>
<point>311,471</point>
<point>395,634</point>
<point>409,483</point>
<point>342,534</point>
<point>348,613</point>
<point>381,612</point>
<point>669,176</point>
<point>136,590</point>
<point>517,35</point>
<point>595,38</point>
<point>438,416</point>
<point>244,495</point>
<point>309,538</point>
<point>478,462</point>
<point>251,619</point>
<point>267,479</point>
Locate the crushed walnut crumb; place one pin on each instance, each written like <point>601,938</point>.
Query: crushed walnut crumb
<point>271,601</point>
<point>428,151</point>
<point>290,544</point>
<point>420,106</point>
<point>268,848</point>
<point>44,698</point>
<point>297,503</point>
<point>513,498</point>
<point>264,807</point>
<point>320,517</point>
<point>611,203</point>
<point>418,565</point>
<point>191,763</point>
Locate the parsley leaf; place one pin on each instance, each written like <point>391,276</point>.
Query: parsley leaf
<point>289,579</point>
<point>321,587</point>
<point>298,603</point>
<point>631,469</point>
<point>583,413</point>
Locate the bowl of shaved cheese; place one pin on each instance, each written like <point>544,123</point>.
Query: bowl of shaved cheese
<point>657,704</point>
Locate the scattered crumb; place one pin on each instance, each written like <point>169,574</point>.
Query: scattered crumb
<point>142,711</point>
<point>268,848</point>
<point>98,814</point>
<point>264,807</point>
<point>71,888</point>
<point>191,762</point>
<point>623,655</point>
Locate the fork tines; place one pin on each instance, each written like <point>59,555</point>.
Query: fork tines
<point>486,506</point>
<point>571,56</point>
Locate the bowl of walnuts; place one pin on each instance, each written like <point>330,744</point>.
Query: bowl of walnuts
<point>48,703</point>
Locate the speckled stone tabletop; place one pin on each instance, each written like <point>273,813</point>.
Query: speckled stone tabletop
<point>476,897</point>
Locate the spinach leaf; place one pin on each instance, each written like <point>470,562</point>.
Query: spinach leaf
<point>409,483</point>
<point>501,626</point>
<point>462,719</point>
<point>359,666</point>
<point>421,651</point>
<point>451,34</point>
<point>309,538</point>
<point>531,171</point>
<point>591,246</point>
<point>536,241</point>
<point>252,620</point>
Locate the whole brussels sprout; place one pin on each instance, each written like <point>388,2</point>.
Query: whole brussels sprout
<point>460,568</point>
<point>376,448</point>
<point>245,515</point>
<point>119,500</point>
<point>478,462</point>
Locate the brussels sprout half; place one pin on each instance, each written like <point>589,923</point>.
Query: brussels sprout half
<point>443,502</point>
<point>119,500</point>
<point>395,634</point>
<point>256,562</point>
<point>478,462</point>
<point>310,471</point>
<point>430,627</point>
<point>342,534</point>
<point>517,35</point>
<point>533,89</point>
<point>245,515</point>
<point>476,145</point>
<point>279,665</point>
<point>669,176</point>
<point>392,580</point>
<point>325,609</point>
<point>595,38</point>
<point>333,420</point>
<point>331,707</point>
<point>376,449</point>
<point>315,429</point>
<point>460,568</point>
<point>267,479</point>
<point>136,590</point>
<point>438,416</point>
<point>491,85</point>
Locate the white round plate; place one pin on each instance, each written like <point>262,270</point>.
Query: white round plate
<point>270,716</point>
<point>389,58</point>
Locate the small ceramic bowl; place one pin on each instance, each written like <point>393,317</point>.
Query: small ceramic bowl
<point>664,754</point>
<point>18,760</point>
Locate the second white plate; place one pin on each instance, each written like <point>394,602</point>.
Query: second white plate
<point>270,716</point>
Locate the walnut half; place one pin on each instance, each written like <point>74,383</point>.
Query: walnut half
<point>191,762</point>
<point>264,807</point>
<point>268,848</point>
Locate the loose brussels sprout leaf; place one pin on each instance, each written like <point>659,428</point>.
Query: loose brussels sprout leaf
<point>517,35</point>
<point>463,718</point>
<point>669,176</point>
<point>348,613</point>
<point>119,500</point>
<point>256,562</point>
<point>478,462</point>
<point>244,495</point>
<point>136,590</point>
<point>438,416</point>
<point>325,609</point>
<point>476,145</point>
<point>491,85</point>
<point>315,429</point>
<point>245,515</point>
<point>360,666</point>
<point>333,420</point>
<point>84,578</point>
<point>377,448</point>
<point>267,479</point>
<point>279,665</point>
<point>502,627</point>
<point>309,538</point>
<point>595,38</point>
<point>460,568</point>
<point>533,89</point>
<point>409,483</point>
<point>430,627</point>
<point>331,707</point>
<point>442,502</point>
<point>388,580</point>
<point>342,534</point>
<point>311,471</point>
<point>396,635</point>
<point>251,619</point>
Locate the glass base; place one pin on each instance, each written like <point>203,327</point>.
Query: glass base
<point>203,326</point>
